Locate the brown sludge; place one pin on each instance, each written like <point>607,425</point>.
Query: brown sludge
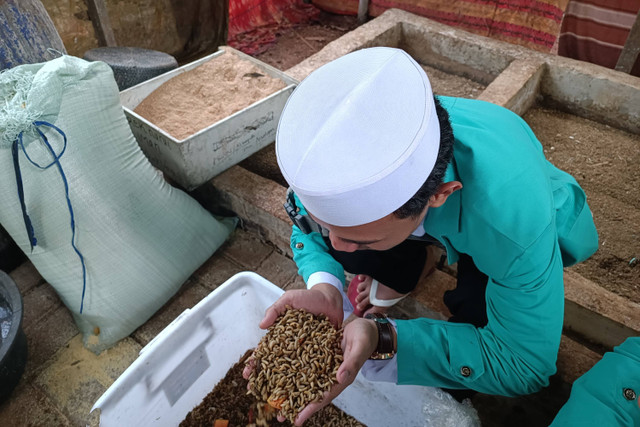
<point>229,401</point>
<point>196,99</point>
<point>296,362</point>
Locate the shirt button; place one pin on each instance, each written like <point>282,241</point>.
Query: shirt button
<point>629,394</point>
<point>299,245</point>
<point>465,371</point>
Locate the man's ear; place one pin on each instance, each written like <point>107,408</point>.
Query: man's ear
<point>444,191</point>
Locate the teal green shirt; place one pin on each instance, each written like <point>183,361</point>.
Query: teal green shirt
<point>607,395</point>
<point>521,220</point>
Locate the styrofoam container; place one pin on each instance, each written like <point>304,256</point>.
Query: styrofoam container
<point>203,155</point>
<point>183,363</point>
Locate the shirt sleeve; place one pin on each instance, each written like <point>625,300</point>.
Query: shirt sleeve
<point>311,254</point>
<point>516,352</point>
<point>607,395</point>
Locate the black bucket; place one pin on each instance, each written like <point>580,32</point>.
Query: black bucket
<point>13,341</point>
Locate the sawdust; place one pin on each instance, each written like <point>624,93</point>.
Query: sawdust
<point>77,377</point>
<point>198,98</point>
<point>230,401</point>
<point>605,161</point>
<point>448,84</point>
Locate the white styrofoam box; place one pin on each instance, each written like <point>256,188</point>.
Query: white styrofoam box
<point>181,365</point>
<point>205,154</point>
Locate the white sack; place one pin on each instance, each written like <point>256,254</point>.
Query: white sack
<point>140,238</point>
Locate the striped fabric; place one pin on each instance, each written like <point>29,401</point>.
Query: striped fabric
<point>596,30</point>
<point>253,24</point>
<point>531,23</point>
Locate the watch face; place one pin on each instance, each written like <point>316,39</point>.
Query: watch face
<point>382,356</point>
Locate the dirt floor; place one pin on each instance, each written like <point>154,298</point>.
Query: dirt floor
<point>603,159</point>
<point>605,162</point>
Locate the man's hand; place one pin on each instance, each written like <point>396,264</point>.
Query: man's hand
<point>359,341</point>
<point>323,298</point>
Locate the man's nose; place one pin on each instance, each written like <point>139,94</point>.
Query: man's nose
<point>340,245</point>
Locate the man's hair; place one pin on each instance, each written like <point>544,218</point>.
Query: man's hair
<point>415,205</point>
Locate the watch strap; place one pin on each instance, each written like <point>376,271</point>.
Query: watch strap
<point>385,348</point>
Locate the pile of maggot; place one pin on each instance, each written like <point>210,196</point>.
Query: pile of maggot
<point>296,362</point>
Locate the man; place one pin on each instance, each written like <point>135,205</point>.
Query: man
<point>379,168</point>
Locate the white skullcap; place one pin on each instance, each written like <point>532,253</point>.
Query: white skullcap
<point>359,136</point>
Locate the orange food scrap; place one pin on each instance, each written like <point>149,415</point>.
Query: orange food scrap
<point>221,423</point>
<point>268,409</point>
<point>276,403</point>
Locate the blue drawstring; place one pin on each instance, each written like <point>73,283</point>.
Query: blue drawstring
<point>56,160</point>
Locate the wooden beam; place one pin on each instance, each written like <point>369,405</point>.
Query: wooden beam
<point>631,48</point>
<point>363,9</point>
<point>597,314</point>
<point>100,19</point>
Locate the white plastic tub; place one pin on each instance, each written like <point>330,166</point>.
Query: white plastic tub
<point>196,159</point>
<point>179,367</point>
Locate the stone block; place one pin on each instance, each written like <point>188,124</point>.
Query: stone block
<point>46,337</point>
<point>246,250</point>
<point>574,359</point>
<point>597,314</point>
<point>296,283</point>
<point>26,277</point>
<point>256,200</point>
<point>28,406</point>
<point>215,271</point>
<point>278,269</point>
<point>77,377</point>
<point>190,294</point>
<point>38,304</point>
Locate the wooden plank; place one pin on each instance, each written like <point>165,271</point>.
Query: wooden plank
<point>631,48</point>
<point>363,10</point>
<point>592,312</point>
<point>100,19</point>
<point>598,315</point>
<point>574,359</point>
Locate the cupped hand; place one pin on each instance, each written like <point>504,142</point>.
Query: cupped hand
<point>359,341</point>
<point>323,298</point>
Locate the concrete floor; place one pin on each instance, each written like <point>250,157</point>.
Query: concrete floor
<point>62,379</point>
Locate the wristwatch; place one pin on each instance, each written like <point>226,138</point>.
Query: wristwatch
<point>385,349</point>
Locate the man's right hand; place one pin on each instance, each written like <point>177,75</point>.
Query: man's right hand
<point>322,298</point>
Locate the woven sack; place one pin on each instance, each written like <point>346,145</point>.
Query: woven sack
<point>79,197</point>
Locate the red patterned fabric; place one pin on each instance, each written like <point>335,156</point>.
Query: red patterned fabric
<point>596,31</point>
<point>253,24</point>
<point>531,23</point>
